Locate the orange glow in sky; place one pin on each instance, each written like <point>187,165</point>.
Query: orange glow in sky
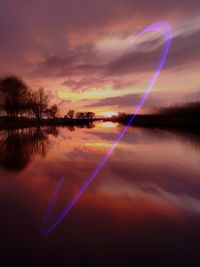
<point>109,114</point>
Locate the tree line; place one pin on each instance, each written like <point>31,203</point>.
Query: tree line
<point>79,115</point>
<point>18,100</point>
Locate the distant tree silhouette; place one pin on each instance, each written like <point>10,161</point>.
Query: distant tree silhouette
<point>54,111</point>
<point>80,115</point>
<point>51,112</point>
<point>70,114</point>
<point>85,115</point>
<point>121,114</point>
<point>89,115</point>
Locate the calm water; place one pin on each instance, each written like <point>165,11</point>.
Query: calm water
<point>142,207</point>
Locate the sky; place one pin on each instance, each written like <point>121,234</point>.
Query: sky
<point>78,51</point>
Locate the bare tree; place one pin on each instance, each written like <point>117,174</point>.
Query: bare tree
<point>39,103</point>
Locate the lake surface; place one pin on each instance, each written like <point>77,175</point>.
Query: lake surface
<point>143,206</point>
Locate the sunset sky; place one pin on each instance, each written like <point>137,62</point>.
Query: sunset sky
<point>78,51</point>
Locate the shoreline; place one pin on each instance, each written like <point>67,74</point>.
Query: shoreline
<point>160,121</point>
<point>9,123</point>
<point>151,120</point>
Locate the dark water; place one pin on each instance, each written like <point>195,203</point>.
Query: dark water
<point>142,209</point>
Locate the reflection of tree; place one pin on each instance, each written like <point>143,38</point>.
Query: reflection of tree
<point>185,135</point>
<point>89,125</point>
<point>18,146</point>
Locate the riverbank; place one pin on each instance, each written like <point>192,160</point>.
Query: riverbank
<point>152,121</point>
<point>11,123</point>
<point>161,121</point>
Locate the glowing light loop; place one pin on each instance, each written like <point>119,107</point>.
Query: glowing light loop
<point>165,30</point>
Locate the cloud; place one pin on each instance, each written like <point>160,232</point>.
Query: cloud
<point>184,51</point>
<point>63,69</point>
<point>127,100</point>
<point>156,99</point>
<point>85,83</point>
<point>36,31</point>
<point>63,43</point>
<point>86,71</point>
<point>77,61</point>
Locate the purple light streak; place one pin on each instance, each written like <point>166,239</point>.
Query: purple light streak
<point>165,30</point>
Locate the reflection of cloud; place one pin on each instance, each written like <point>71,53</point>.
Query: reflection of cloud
<point>138,206</point>
<point>123,189</point>
<point>149,176</point>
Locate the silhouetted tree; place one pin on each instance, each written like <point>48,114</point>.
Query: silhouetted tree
<point>89,115</point>
<point>85,115</point>
<point>52,111</point>
<point>70,114</point>
<point>121,114</point>
<point>39,103</point>
<point>80,115</point>
<point>13,95</point>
